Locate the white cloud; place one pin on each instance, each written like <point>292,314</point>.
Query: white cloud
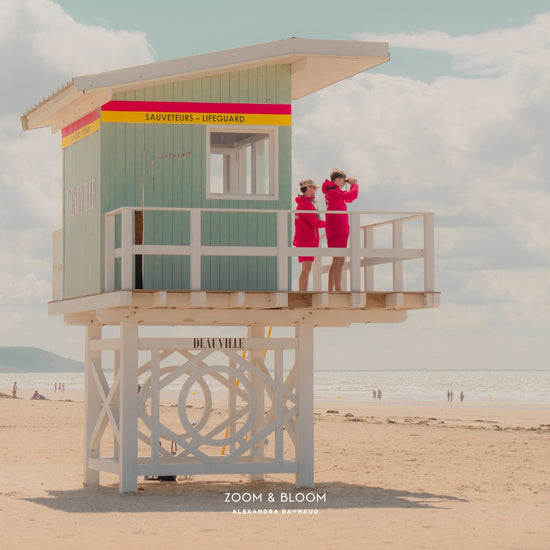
<point>493,51</point>
<point>24,325</point>
<point>473,150</point>
<point>54,35</point>
<point>26,291</point>
<point>41,47</point>
<point>457,147</point>
<point>525,295</point>
<point>420,343</point>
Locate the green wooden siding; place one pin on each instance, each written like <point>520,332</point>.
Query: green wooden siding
<point>175,175</point>
<point>169,162</point>
<point>82,235</point>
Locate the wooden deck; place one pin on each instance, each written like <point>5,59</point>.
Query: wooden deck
<point>201,308</point>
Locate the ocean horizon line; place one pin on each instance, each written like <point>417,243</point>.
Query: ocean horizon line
<point>519,369</point>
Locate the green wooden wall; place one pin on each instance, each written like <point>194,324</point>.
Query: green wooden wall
<point>173,159</point>
<point>82,237</point>
<point>168,162</point>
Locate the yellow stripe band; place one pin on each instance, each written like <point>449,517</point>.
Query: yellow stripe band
<point>79,134</point>
<point>148,117</point>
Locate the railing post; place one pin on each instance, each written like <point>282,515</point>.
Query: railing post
<point>369,269</point>
<point>126,282</point>
<point>429,264</point>
<point>397,266</point>
<point>109,253</point>
<point>282,251</point>
<point>355,250</point>
<point>195,246</point>
<point>317,271</point>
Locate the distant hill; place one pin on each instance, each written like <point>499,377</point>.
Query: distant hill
<point>23,359</point>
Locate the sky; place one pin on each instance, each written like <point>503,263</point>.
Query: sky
<point>457,123</point>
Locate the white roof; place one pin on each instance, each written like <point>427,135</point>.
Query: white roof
<point>315,64</point>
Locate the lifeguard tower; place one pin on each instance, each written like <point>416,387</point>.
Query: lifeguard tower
<point>177,211</point>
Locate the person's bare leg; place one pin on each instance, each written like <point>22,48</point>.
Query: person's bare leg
<point>304,275</point>
<point>331,276</point>
<point>338,264</point>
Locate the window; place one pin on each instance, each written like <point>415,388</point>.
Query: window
<point>241,163</point>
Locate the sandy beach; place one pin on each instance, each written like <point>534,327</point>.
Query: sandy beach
<point>392,476</point>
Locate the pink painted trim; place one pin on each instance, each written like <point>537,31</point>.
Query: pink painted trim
<point>79,124</point>
<point>196,107</point>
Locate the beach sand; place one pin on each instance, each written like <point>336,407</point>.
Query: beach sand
<point>395,476</point>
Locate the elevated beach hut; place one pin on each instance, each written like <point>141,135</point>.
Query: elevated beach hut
<point>177,210</point>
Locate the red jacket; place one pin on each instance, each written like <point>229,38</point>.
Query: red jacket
<point>336,198</point>
<point>306,225</point>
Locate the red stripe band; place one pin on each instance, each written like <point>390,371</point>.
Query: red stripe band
<point>79,124</point>
<point>196,107</point>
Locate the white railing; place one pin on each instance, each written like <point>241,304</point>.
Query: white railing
<point>361,253</point>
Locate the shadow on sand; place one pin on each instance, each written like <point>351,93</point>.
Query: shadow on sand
<point>205,496</point>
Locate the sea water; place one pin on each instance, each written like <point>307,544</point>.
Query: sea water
<point>479,386</point>
<point>397,386</point>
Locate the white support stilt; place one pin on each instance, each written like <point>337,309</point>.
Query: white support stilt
<point>232,405</point>
<point>279,405</point>
<point>256,356</point>
<point>304,385</point>
<point>128,407</point>
<point>155,405</point>
<point>92,404</point>
<point>115,401</point>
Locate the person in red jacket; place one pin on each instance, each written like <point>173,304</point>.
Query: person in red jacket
<point>337,225</point>
<point>306,227</point>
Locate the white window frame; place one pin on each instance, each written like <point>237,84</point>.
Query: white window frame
<point>273,139</point>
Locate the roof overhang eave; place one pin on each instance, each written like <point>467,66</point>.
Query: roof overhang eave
<point>63,108</point>
<point>315,64</point>
<point>39,115</point>
<point>288,50</point>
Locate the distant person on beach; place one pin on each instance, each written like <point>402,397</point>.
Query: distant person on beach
<point>461,396</point>
<point>379,394</point>
<point>37,395</point>
<point>55,387</point>
<point>14,390</point>
<point>374,394</point>
<point>337,225</point>
<point>306,227</point>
